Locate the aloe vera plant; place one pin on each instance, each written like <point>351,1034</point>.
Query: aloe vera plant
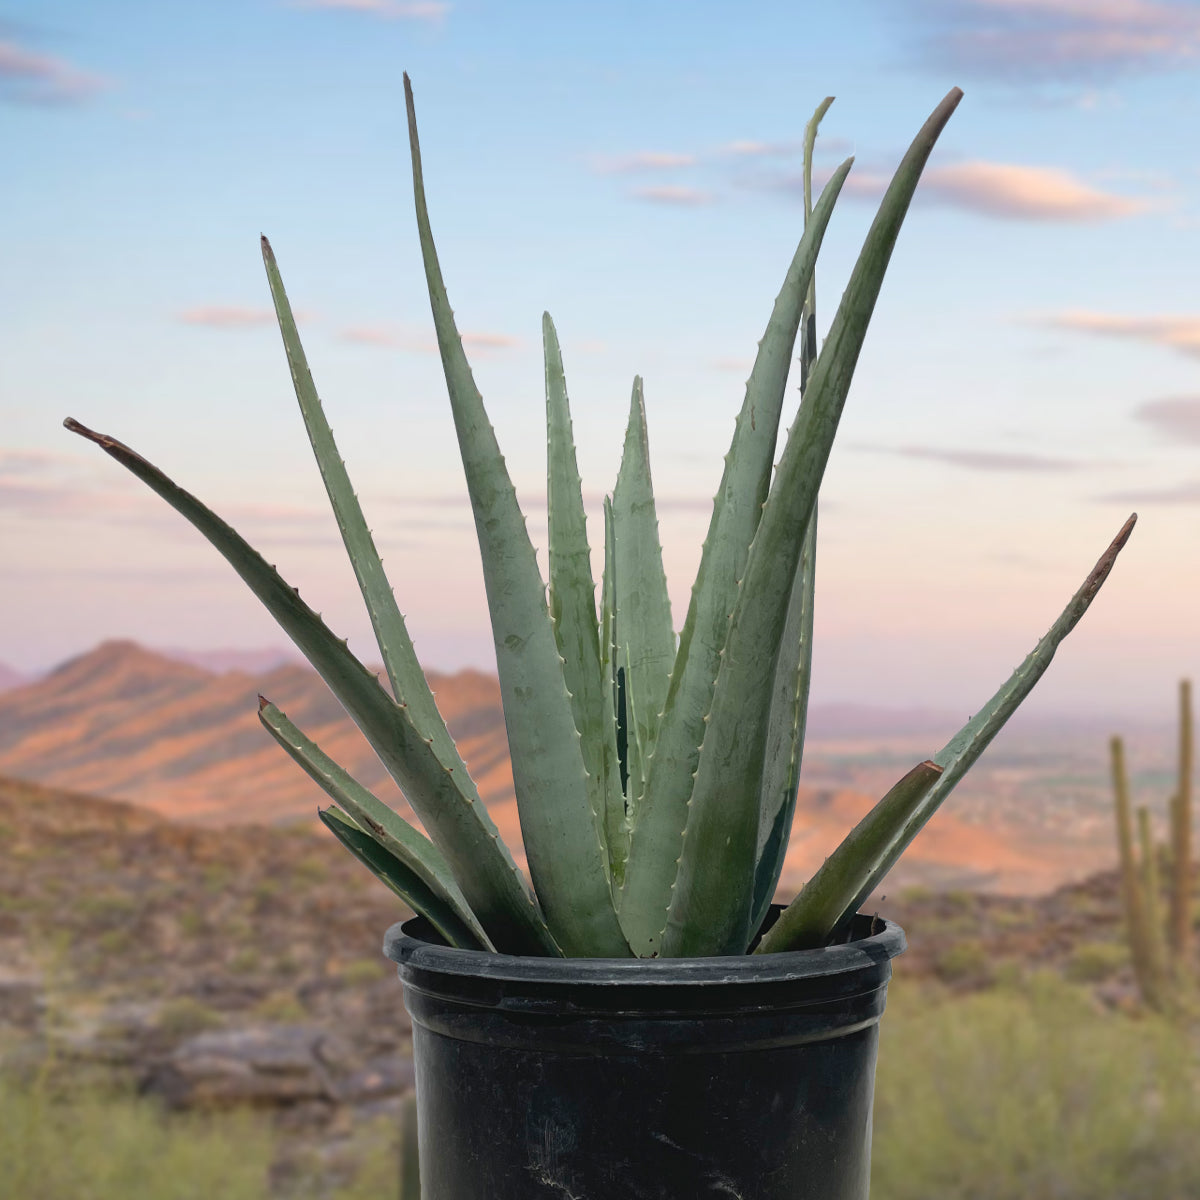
<point>655,776</point>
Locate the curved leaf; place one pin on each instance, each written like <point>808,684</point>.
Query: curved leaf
<point>566,859</point>
<point>400,878</point>
<point>661,814</point>
<point>420,866</point>
<point>711,904</point>
<point>399,658</point>
<point>456,820</point>
<point>809,920</point>
<point>646,635</point>
<point>573,590</point>
<point>864,863</point>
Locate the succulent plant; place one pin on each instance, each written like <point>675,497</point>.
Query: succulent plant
<point>655,777</point>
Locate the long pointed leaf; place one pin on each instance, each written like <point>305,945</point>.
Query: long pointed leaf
<point>808,920</point>
<point>457,822</point>
<point>444,904</point>
<point>647,634</point>
<point>401,879</point>
<point>566,859</point>
<point>399,658</point>
<point>953,761</point>
<point>573,590</point>
<point>789,704</point>
<point>661,815</point>
<point>712,901</point>
<point>785,730</point>
<point>618,813</point>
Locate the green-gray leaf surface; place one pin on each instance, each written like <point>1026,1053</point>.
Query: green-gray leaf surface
<point>457,821</point>
<point>562,845</point>
<point>426,873</point>
<point>399,658</point>
<point>857,867</point>
<point>711,905</point>
<point>400,878</point>
<point>785,730</point>
<point>808,921</point>
<point>793,671</point>
<point>573,591</point>
<point>661,813</point>
<point>646,636</point>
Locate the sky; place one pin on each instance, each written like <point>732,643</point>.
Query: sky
<point>1031,375</point>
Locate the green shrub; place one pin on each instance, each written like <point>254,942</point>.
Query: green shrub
<point>182,1016</point>
<point>1032,1095</point>
<point>99,1147</point>
<point>1095,961</point>
<point>964,963</point>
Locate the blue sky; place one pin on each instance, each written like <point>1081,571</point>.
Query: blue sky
<point>1029,379</point>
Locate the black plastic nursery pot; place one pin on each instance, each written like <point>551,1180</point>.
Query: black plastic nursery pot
<point>673,1079</point>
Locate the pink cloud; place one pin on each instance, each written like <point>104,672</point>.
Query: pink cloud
<point>1026,193</point>
<point>1005,190</point>
<point>644,160</point>
<point>391,337</point>
<point>394,10</point>
<point>685,197</point>
<point>30,78</point>
<point>228,316</point>
<point>1176,332</point>
<point>1065,37</point>
<point>1176,417</point>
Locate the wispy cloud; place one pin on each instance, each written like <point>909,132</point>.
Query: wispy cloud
<point>984,460</point>
<point>666,193</point>
<point>27,77</point>
<point>1008,191</point>
<point>393,10</point>
<point>1060,40</point>
<point>1176,332</point>
<point>228,316</point>
<point>388,337</point>
<point>643,160</point>
<point>1026,193</point>
<point>394,337</point>
<point>1176,417</point>
<point>1181,493</point>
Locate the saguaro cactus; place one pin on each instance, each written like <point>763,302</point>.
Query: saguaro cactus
<point>1163,985</point>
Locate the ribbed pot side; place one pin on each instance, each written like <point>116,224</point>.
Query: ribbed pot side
<point>673,1079</point>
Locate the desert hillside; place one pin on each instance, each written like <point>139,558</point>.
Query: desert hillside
<point>184,741</point>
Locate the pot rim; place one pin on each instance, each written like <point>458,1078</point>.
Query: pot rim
<point>875,941</point>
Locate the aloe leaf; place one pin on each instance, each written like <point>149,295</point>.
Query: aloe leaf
<point>711,905</point>
<point>401,879</point>
<point>896,830</point>
<point>808,921</point>
<point>618,813</point>
<point>572,588</point>
<point>789,704</point>
<point>566,859</point>
<point>657,839</point>
<point>442,900</point>
<point>785,730</point>
<point>399,658</point>
<point>647,634</point>
<point>449,806</point>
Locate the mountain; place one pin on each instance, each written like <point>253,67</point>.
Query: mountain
<point>253,662</point>
<point>132,724</point>
<point>135,725</point>
<point>10,678</point>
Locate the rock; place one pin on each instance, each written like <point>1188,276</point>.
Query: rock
<point>265,1065</point>
<point>386,1077</point>
<point>22,998</point>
